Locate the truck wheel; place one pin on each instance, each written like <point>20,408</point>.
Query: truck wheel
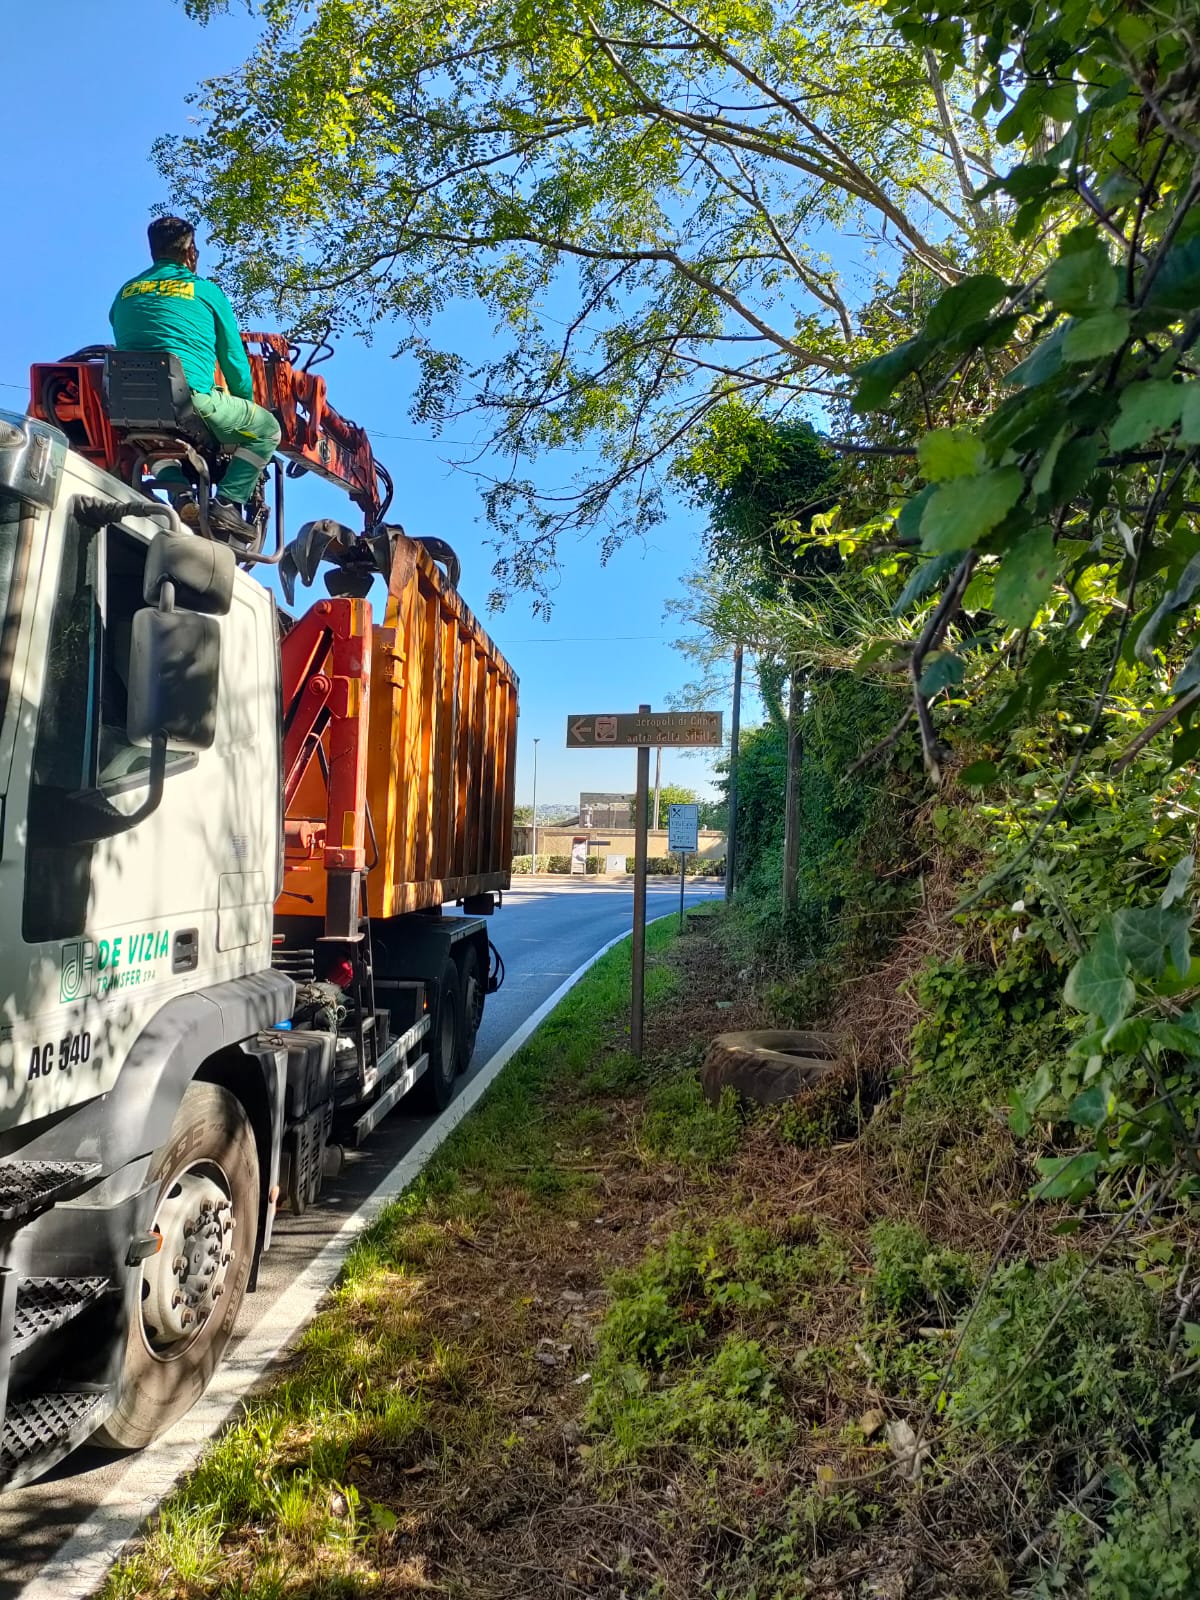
<point>192,1288</point>
<point>471,974</point>
<point>435,1089</point>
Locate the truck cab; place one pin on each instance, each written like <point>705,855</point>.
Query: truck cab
<point>183,1041</point>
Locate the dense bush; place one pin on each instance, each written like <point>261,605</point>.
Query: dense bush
<point>1059,1355</point>
<point>668,866</point>
<point>524,864</point>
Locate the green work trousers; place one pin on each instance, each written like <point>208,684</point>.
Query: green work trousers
<point>238,425</point>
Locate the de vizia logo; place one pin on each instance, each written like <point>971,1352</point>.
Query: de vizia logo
<point>77,977</point>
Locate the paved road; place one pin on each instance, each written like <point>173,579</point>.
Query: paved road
<point>544,932</point>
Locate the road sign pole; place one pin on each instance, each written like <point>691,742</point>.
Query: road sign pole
<point>639,897</point>
<point>734,740</point>
<point>682,879</point>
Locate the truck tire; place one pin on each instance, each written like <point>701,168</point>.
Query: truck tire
<point>436,1088</point>
<point>473,994</point>
<point>191,1290</point>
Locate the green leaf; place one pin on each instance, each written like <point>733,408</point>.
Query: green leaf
<point>978,593</point>
<point>1026,578</point>
<point>1126,1038</point>
<point>1009,712</point>
<point>1171,1036</point>
<point>964,303</point>
<point>941,672</point>
<point>1044,363</point>
<point>1091,1108</point>
<point>1083,278</point>
<point>1046,669</point>
<point>1068,1177</point>
<point>1044,475</point>
<point>1180,880</point>
<point>1145,936</point>
<point>1174,600</point>
<point>1019,1119</point>
<point>962,511</point>
<point>908,523</point>
<point>1060,102</point>
<point>1023,182</point>
<point>980,774</point>
<point>382,1517</point>
<point>950,453</point>
<point>923,581</point>
<point>1185,748</point>
<point>879,376</point>
<point>1146,409</point>
<point>1041,1087</point>
<point>1188,675</point>
<point>1096,336</point>
<point>1099,983</point>
<point>873,652</point>
<point>1073,467</point>
<point>1176,286</point>
<point>1189,413</point>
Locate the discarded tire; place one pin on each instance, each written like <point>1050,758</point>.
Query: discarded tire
<point>768,1066</point>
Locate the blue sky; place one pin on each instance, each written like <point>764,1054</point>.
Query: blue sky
<point>89,84</point>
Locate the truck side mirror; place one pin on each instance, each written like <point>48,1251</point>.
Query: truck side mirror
<point>200,570</point>
<point>174,670</point>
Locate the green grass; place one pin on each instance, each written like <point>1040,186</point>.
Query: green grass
<point>685,1355</point>
<point>367,1372</point>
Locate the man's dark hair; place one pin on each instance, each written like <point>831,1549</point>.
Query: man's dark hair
<point>169,238</point>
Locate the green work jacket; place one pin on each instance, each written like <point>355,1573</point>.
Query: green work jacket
<point>168,307</point>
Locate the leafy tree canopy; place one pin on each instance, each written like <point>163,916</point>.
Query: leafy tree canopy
<point>642,197</point>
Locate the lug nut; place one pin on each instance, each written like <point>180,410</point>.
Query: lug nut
<point>187,1318</point>
<point>176,1300</point>
<point>218,1289</point>
<point>179,1265</point>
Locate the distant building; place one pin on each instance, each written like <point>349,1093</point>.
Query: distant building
<point>605,810</point>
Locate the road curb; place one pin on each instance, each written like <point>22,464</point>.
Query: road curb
<point>82,1563</point>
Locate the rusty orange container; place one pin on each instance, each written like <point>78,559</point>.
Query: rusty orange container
<point>440,704</point>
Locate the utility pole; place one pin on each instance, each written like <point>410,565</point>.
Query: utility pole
<point>734,735</point>
<point>791,803</point>
<point>533,857</point>
<point>657,783</point>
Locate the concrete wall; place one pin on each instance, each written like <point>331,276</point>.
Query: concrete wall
<point>557,841</point>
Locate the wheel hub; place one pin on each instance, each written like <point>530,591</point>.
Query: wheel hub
<point>184,1281</point>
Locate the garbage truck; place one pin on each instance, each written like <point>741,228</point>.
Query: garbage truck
<point>248,853</point>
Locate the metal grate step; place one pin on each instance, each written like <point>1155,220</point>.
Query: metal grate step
<point>27,1186</point>
<point>45,1424</point>
<point>44,1304</point>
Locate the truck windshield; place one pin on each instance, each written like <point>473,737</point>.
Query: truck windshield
<point>16,517</point>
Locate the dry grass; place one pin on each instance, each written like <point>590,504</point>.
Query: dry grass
<point>431,1437</point>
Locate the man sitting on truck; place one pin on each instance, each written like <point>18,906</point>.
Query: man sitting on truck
<point>169,308</point>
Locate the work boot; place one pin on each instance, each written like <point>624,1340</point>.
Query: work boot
<point>223,520</point>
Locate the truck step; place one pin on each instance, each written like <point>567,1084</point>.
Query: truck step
<point>27,1186</point>
<point>40,1430</point>
<point>44,1304</point>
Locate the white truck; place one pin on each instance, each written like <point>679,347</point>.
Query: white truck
<point>226,838</point>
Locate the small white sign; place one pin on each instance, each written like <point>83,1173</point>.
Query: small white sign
<point>579,855</point>
<point>683,829</point>
<point>613,864</point>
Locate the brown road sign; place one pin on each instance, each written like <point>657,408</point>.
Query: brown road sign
<point>628,729</point>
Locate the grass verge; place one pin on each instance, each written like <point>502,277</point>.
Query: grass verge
<point>617,1342</point>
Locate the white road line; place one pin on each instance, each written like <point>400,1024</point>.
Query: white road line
<point>82,1563</point>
